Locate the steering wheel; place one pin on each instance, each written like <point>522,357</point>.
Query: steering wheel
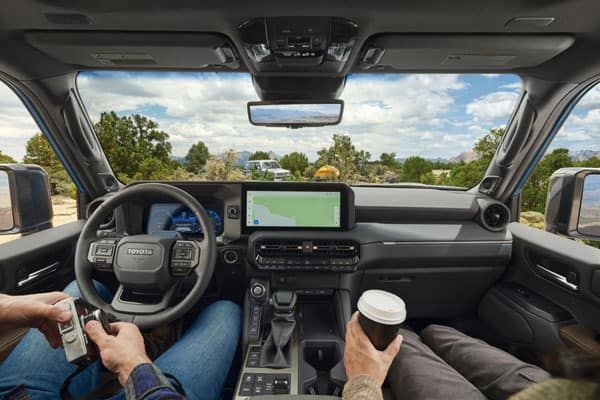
<point>146,263</point>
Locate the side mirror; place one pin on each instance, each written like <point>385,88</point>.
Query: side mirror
<point>573,203</point>
<point>25,204</point>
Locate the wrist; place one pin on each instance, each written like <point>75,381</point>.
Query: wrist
<point>4,308</point>
<point>127,367</point>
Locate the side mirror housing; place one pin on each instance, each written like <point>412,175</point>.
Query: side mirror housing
<point>25,203</point>
<point>573,203</point>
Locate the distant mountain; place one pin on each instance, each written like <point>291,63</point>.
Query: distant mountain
<point>583,155</point>
<point>244,156</point>
<point>466,156</point>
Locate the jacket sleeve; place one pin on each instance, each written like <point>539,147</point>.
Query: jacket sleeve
<point>146,382</point>
<point>362,387</point>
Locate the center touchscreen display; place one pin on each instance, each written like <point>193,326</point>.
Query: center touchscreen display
<point>293,209</point>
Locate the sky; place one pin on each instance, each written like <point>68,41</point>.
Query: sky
<point>434,116</point>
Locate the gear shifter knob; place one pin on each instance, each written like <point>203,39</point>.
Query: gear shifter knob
<point>284,302</point>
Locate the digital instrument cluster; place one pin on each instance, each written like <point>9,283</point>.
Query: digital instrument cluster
<point>178,218</point>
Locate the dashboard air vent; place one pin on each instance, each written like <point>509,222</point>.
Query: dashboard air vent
<point>109,222</point>
<point>279,247</point>
<point>495,216</point>
<point>306,255</point>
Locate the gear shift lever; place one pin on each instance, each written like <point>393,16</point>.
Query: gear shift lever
<point>275,350</point>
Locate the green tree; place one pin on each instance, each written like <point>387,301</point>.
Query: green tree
<point>260,155</point>
<point>341,154</point>
<point>6,159</point>
<point>130,141</point>
<point>415,168</point>
<point>592,162</point>
<point>469,174</point>
<point>533,195</point>
<point>39,152</point>
<point>487,145</point>
<point>152,169</point>
<point>223,169</point>
<point>389,160</point>
<point>295,162</point>
<point>196,157</point>
<point>361,162</point>
<point>466,174</point>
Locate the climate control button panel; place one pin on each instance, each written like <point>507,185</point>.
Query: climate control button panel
<point>307,255</point>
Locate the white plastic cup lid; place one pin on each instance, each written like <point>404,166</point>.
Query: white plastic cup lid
<point>383,307</point>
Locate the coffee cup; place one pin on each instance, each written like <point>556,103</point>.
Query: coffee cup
<point>380,315</point>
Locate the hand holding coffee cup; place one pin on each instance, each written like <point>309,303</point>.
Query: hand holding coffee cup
<point>362,358</point>
<point>380,315</point>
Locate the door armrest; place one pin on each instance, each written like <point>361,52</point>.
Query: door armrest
<point>581,337</point>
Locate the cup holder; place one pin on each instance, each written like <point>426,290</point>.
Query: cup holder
<point>323,357</point>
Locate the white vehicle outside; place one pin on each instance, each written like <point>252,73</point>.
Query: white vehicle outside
<point>267,166</point>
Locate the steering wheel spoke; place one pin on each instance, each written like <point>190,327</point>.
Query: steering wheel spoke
<point>101,253</point>
<point>185,257</point>
<point>130,301</point>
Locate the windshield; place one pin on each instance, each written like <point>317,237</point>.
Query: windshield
<point>271,164</point>
<point>401,128</point>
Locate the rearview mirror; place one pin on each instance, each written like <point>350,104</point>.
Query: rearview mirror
<point>573,203</point>
<point>295,114</point>
<point>25,203</point>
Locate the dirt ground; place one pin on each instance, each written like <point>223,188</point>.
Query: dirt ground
<point>65,210</point>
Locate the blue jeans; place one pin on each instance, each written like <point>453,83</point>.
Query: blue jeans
<point>200,360</point>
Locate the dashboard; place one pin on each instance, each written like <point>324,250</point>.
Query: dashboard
<point>174,217</point>
<point>317,235</point>
<point>244,208</point>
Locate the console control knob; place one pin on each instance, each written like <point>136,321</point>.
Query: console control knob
<point>258,290</point>
<point>231,256</point>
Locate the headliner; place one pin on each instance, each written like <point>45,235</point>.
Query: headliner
<point>578,18</point>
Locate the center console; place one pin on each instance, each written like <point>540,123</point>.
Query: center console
<point>294,311</point>
<point>293,341</point>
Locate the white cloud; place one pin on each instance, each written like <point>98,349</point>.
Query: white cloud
<point>575,136</point>
<point>490,76</point>
<point>513,86</point>
<point>492,106</point>
<point>16,124</point>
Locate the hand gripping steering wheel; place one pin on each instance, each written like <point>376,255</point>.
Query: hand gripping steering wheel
<point>146,263</point>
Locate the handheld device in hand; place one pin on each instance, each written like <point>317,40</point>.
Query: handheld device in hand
<point>79,349</point>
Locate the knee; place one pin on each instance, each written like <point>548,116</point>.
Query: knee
<point>433,334</point>
<point>72,289</point>
<point>226,312</point>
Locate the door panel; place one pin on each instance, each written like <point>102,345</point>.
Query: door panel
<point>559,269</point>
<point>39,262</point>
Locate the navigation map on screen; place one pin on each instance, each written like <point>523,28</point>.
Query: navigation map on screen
<point>292,209</point>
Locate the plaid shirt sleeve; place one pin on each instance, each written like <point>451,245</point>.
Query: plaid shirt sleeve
<point>146,382</point>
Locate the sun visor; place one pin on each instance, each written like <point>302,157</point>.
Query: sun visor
<point>460,52</point>
<point>137,49</point>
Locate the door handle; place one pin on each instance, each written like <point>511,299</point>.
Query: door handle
<point>556,277</point>
<point>38,274</point>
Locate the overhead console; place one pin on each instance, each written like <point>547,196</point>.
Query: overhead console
<point>303,44</point>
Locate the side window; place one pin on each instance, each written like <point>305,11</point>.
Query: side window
<point>22,142</point>
<point>577,144</point>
